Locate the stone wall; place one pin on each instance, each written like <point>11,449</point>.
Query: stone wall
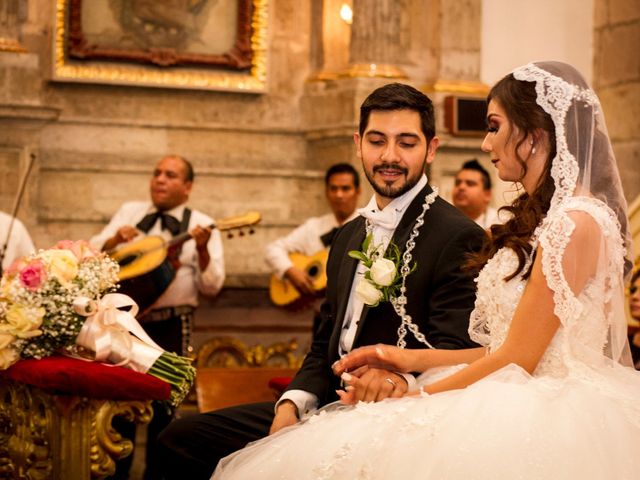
<point>617,82</point>
<point>95,144</point>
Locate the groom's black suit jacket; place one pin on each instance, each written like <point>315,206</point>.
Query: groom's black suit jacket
<point>440,296</point>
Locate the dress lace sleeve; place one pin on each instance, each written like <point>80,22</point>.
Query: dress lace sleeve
<point>582,260</point>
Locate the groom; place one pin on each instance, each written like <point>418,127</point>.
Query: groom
<point>395,142</point>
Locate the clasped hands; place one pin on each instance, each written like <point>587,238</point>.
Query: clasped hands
<point>369,374</point>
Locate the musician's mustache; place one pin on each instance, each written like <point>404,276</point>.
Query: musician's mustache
<point>389,166</point>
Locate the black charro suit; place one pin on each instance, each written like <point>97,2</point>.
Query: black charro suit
<point>440,297</point>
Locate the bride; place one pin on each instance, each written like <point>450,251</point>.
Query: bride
<point>550,393</point>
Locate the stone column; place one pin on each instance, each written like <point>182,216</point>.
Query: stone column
<point>376,47</point>
<point>11,16</point>
<point>616,79</point>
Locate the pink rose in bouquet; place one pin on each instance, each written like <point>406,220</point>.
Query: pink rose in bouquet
<point>33,275</point>
<point>82,250</point>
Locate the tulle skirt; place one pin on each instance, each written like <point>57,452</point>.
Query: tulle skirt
<point>507,426</point>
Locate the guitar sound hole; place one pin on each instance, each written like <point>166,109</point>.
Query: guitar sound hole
<point>127,260</point>
<point>313,271</point>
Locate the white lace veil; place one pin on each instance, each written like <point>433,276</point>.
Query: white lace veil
<point>585,163</point>
<point>586,177</point>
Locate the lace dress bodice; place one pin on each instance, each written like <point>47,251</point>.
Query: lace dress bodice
<point>497,300</point>
<point>584,318</point>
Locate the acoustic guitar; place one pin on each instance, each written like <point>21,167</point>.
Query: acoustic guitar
<point>283,293</point>
<point>149,265</point>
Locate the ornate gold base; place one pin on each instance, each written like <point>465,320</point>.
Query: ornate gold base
<point>457,87</point>
<point>368,70</point>
<point>45,436</point>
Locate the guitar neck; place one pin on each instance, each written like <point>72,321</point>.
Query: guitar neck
<point>183,237</point>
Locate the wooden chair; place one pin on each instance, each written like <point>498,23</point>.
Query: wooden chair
<point>231,373</point>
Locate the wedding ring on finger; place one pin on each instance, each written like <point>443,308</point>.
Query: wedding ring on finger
<point>391,382</point>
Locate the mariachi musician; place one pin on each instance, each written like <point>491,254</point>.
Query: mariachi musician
<point>197,265</point>
<point>342,189</point>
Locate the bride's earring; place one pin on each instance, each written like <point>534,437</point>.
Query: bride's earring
<point>533,149</point>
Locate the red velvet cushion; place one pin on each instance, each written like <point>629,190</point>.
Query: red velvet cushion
<point>279,384</point>
<point>88,379</point>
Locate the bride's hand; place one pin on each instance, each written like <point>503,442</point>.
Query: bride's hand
<point>378,356</point>
<point>372,385</point>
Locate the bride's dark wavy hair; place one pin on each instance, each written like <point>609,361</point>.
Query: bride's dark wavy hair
<point>518,100</point>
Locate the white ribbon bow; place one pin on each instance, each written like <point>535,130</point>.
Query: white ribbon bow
<point>115,335</point>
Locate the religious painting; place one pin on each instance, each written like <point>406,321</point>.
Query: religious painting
<point>204,44</point>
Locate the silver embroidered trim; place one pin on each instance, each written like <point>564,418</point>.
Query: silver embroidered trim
<point>400,301</point>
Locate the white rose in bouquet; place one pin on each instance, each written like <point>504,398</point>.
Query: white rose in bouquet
<point>367,293</point>
<point>6,339</point>
<point>23,322</point>
<point>8,356</point>
<point>383,272</point>
<point>62,264</point>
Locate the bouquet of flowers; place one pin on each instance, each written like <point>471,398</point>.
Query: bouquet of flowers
<point>61,300</point>
<point>382,280</point>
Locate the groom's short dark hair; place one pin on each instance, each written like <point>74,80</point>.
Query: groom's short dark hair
<point>398,96</point>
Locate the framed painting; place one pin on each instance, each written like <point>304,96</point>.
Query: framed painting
<point>199,44</point>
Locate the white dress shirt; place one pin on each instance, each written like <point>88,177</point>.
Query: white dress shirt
<point>189,279</point>
<point>392,214</point>
<point>19,244</point>
<point>305,239</point>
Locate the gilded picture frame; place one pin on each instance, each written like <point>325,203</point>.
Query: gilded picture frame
<point>193,44</point>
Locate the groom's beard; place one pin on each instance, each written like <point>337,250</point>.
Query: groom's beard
<point>389,191</point>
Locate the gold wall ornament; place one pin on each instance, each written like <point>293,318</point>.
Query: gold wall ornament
<point>50,437</point>
<point>228,352</point>
<point>203,76</point>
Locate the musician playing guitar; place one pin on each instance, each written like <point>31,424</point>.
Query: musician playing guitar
<point>342,189</point>
<point>198,263</point>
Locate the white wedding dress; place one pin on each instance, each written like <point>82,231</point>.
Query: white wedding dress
<point>577,417</point>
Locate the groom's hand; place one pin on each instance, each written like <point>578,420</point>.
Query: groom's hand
<point>373,385</point>
<point>286,415</point>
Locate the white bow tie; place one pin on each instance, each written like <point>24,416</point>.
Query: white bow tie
<point>387,218</point>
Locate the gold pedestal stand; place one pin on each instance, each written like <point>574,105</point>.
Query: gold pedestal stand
<point>46,436</point>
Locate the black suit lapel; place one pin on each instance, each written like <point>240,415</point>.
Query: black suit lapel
<point>345,277</point>
<point>400,237</point>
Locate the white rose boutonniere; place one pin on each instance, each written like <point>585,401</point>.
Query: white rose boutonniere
<point>367,292</point>
<point>383,272</point>
<point>381,280</point>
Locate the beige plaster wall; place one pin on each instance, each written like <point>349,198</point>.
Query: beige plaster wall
<point>514,33</point>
